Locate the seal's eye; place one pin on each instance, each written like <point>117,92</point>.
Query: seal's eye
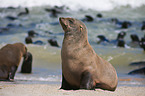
<point>70,21</point>
<point>81,28</point>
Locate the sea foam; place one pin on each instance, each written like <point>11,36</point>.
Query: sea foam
<point>99,5</point>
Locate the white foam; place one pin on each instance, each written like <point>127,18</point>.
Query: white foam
<point>49,78</point>
<point>100,5</point>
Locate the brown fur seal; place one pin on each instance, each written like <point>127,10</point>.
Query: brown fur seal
<point>10,57</point>
<point>82,68</point>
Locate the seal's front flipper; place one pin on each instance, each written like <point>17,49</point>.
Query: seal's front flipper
<point>12,73</point>
<point>87,81</point>
<point>66,86</point>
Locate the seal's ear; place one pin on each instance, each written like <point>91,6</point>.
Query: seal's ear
<point>81,28</point>
<point>26,48</point>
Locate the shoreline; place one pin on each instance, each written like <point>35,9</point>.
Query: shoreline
<point>53,90</point>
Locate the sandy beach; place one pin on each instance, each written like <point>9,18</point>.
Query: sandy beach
<point>53,90</point>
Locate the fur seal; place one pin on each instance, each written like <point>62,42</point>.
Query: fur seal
<point>32,33</point>
<point>10,56</point>
<point>126,24</point>
<point>88,18</point>
<point>134,41</point>
<point>24,13</point>
<point>53,42</point>
<point>11,17</point>
<point>102,39</point>
<point>121,35</point>
<point>121,43</point>
<point>134,38</point>
<point>99,15</point>
<point>82,68</point>
<point>55,11</point>
<point>28,40</point>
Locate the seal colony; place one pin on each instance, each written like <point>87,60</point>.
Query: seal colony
<point>10,57</point>
<point>82,68</point>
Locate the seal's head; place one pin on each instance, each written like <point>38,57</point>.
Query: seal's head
<point>22,48</point>
<point>73,28</point>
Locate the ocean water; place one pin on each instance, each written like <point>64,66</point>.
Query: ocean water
<point>47,59</point>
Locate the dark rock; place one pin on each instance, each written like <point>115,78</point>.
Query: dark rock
<point>27,64</point>
<point>138,71</point>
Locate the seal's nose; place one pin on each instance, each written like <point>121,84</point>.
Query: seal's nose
<point>61,19</point>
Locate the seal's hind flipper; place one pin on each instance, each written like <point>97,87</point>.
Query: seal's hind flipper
<point>66,86</point>
<point>87,81</point>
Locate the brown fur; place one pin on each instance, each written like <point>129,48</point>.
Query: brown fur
<point>10,57</point>
<point>79,58</point>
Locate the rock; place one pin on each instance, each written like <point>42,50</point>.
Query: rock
<point>138,71</point>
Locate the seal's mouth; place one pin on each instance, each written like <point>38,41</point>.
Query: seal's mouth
<point>63,23</point>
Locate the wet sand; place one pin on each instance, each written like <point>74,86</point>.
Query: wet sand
<point>53,90</point>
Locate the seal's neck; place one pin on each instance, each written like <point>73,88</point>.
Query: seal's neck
<point>71,41</point>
